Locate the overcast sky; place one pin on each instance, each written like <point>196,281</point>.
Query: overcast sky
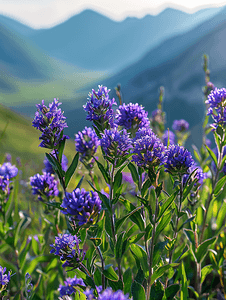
<point>48,13</point>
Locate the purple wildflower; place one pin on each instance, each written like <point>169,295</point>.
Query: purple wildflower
<point>132,116</point>
<point>168,135</point>
<point>4,279</point>
<point>86,143</point>
<point>178,160</point>
<point>4,186</point>
<point>180,125</point>
<point>45,186</point>
<point>99,107</point>
<point>148,151</point>
<point>199,174</point>
<point>8,157</point>
<point>51,122</point>
<point>48,166</point>
<point>216,100</point>
<point>208,142</point>
<point>70,286</point>
<point>8,171</point>
<point>81,206</point>
<point>67,247</point>
<point>142,132</point>
<point>108,294</point>
<point>116,143</point>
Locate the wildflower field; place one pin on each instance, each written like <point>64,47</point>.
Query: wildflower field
<point>133,215</point>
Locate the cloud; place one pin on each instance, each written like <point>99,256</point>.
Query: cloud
<point>48,13</point>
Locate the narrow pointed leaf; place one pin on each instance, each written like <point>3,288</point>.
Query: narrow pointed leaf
<point>71,169</point>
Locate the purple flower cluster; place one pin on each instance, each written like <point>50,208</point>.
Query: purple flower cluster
<point>81,206</point>
<point>99,107</point>
<point>7,172</point>
<point>51,122</point>
<point>180,125</point>
<point>108,294</point>
<point>48,167</point>
<point>168,135</point>
<point>116,143</point>
<point>217,106</point>
<point>4,279</point>
<point>178,160</point>
<point>28,285</point>
<point>132,116</point>
<point>148,150</point>
<point>45,186</point>
<point>86,143</point>
<point>70,286</point>
<point>67,247</point>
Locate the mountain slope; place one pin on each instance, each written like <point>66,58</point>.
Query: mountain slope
<point>91,40</point>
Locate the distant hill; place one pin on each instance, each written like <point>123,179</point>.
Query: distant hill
<point>28,74</point>
<point>95,42</point>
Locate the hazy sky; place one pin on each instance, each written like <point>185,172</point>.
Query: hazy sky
<point>47,13</point>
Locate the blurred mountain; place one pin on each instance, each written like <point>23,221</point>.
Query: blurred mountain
<point>176,64</point>
<point>93,41</point>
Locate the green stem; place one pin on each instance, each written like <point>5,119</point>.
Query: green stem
<point>213,188</point>
<point>102,266</point>
<point>152,251</point>
<point>112,219</point>
<point>177,221</point>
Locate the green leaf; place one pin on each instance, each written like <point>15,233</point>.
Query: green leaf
<point>171,291</point>
<point>120,221</point>
<point>71,169</point>
<point>221,215</point>
<point>117,181</point>
<point>184,287</point>
<point>134,173</point>
<point>205,271</point>
<point>23,253</point>
<point>145,187</point>
<point>33,263</point>
<point>80,183</point>
<point>220,185</point>
<point>167,203</point>
<point>96,241</point>
<point>148,232</point>
<point>55,164</point>
<point>127,281</point>
<point>157,291</point>
<point>109,273</point>
<point>61,148</point>
<point>161,270</point>
<point>116,285</point>
<point>220,131</point>
<point>202,249</point>
<point>140,255</point>
<point>118,246</point>
<point>135,217</point>
<point>212,154</point>
<point>165,220</point>
<point>97,277</point>
<point>158,190</point>
<point>103,171</point>
<point>137,291</point>
<point>187,221</point>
